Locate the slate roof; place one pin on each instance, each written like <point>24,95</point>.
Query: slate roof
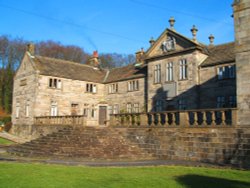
<point>72,70</point>
<point>67,69</point>
<point>126,73</point>
<point>220,54</point>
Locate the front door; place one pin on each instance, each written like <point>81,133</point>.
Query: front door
<point>102,115</point>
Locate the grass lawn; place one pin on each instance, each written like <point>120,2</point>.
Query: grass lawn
<point>4,141</point>
<point>40,175</point>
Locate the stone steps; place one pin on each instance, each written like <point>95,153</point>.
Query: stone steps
<point>79,142</point>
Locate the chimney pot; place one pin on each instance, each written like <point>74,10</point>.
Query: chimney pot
<point>95,54</point>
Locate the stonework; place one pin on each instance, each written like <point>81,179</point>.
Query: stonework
<point>242,34</point>
<point>175,73</point>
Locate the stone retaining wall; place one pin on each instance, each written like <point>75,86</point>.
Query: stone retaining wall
<point>212,145</point>
<point>31,132</point>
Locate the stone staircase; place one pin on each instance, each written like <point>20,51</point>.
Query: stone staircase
<point>82,142</point>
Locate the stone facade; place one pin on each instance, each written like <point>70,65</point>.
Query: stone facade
<point>175,73</point>
<point>242,34</point>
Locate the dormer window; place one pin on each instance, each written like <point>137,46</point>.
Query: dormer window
<point>55,83</point>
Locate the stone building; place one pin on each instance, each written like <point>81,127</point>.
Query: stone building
<point>175,73</point>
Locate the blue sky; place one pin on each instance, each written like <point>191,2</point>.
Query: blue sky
<point>122,26</point>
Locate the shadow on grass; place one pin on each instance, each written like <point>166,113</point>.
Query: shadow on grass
<point>198,181</point>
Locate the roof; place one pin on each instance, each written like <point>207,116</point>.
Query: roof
<point>220,54</point>
<point>126,73</point>
<point>72,70</point>
<point>67,69</point>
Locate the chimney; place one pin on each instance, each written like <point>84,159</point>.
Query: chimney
<point>31,48</point>
<point>139,55</point>
<point>151,41</point>
<point>194,32</point>
<point>211,40</point>
<point>171,23</point>
<point>94,60</point>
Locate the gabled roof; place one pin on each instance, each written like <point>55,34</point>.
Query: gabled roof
<point>220,54</point>
<point>126,73</point>
<point>172,32</point>
<point>67,69</point>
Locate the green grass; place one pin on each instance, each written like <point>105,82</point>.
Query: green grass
<point>40,175</point>
<point>5,142</point>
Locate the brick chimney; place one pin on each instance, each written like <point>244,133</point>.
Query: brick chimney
<point>94,60</point>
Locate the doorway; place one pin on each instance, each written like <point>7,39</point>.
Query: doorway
<point>102,115</point>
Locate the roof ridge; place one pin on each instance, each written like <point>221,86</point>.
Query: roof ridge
<point>223,44</point>
<point>64,61</point>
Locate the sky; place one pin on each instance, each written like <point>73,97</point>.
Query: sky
<point>121,26</point>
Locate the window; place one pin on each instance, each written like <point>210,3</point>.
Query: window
<point>85,112</point>
<point>17,110</point>
<point>93,113</point>
<point>133,85</point>
<point>226,72</point>
<point>136,108</point>
<point>110,110</point>
<point>23,82</point>
<point>53,109</point>
<point>182,104</point>
<point>232,101</point>
<point>55,83</point>
<point>113,88</point>
<point>183,69</point>
<point>116,109</point>
<point>169,72</point>
<point>157,73</point>
<point>129,108</point>
<point>221,102</point>
<point>91,88</point>
<point>158,106</point>
<point>27,110</point>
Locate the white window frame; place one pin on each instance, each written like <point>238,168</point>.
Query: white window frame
<point>17,110</point>
<point>54,109</point>
<point>27,110</point>
<point>129,108</point>
<point>55,83</point>
<point>183,72</point>
<point>157,73</point>
<point>169,72</point>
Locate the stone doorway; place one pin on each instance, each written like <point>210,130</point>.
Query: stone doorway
<point>102,115</point>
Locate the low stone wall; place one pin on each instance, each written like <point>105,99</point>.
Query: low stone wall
<point>31,132</point>
<point>211,145</point>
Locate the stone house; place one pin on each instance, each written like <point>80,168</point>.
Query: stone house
<point>175,73</point>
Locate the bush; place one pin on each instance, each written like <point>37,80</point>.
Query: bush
<point>6,121</point>
<point>7,126</point>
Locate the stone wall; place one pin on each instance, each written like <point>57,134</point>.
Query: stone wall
<point>72,92</point>
<point>123,97</point>
<point>31,132</point>
<point>242,36</point>
<point>212,145</point>
<point>185,89</point>
<point>24,92</point>
<point>211,87</point>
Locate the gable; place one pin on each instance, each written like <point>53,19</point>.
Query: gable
<point>170,41</point>
<point>26,66</point>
